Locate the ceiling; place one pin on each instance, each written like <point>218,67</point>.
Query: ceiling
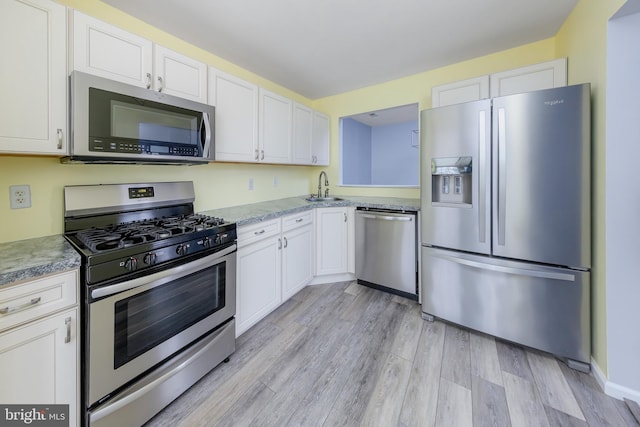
<point>325,47</point>
<point>388,116</point>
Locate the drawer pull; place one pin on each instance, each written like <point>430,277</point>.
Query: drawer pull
<point>67,323</point>
<point>257,233</point>
<point>299,219</point>
<point>9,310</point>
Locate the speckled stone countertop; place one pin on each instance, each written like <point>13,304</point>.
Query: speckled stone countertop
<point>256,212</point>
<point>28,259</point>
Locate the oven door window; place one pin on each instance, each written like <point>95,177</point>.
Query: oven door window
<point>147,319</point>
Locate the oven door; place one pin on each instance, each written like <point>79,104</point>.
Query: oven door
<point>134,325</point>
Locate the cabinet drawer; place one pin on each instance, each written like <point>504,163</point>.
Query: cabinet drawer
<point>30,300</point>
<point>296,220</point>
<point>255,232</point>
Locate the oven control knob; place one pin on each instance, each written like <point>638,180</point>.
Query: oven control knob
<point>218,239</point>
<point>182,249</point>
<point>206,242</point>
<point>131,264</point>
<point>150,258</point>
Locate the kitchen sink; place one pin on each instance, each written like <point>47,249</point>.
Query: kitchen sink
<point>322,199</point>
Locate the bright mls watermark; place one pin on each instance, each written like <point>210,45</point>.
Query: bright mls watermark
<point>34,415</point>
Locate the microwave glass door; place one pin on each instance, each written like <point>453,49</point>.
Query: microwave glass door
<point>127,118</point>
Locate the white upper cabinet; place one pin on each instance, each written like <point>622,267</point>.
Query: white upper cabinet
<point>320,139</point>
<point>302,134</point>
<point>545,75</point>
<point>179,75</point>
<point>275,124</point>
<point>461,91</point>
<point>236,121</point>
<point>111,52</point>
<point>34,71</point>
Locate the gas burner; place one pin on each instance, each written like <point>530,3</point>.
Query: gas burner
<point>128,234</point>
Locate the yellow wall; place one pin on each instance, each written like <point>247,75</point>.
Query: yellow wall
<point>416,89</point>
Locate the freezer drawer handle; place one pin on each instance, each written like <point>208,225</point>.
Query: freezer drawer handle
<point>387,218</point>
<point>511,270</point>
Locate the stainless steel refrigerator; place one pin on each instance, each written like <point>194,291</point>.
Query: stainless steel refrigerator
<point>506,218</point>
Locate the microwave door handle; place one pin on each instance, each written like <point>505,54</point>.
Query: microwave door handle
<point>205,137</point>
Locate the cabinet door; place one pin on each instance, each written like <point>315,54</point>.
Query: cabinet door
<point>110,52</point>
<point>258,281</point>
<point>38,363</point>
<point>236,124</point>
<point>331,241</point>
<point>33,84</point>
<point>179,75</point>
<point>302,134</point>
<point>297,260</point>
<point>275,128</point>
<point>320,139</point>
<point>545,75</point>
<point>462,91</point>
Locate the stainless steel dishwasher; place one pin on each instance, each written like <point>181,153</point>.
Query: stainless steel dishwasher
<point>386,251</point>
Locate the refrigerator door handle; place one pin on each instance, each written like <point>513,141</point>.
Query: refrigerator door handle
<point>501,178</point>
<point>511,270</point>
<point>482,182</point>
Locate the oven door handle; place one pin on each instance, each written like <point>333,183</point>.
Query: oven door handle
<point>164,276</point>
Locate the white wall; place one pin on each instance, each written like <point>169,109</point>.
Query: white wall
<point>393,160</point>
<point>623,203</point>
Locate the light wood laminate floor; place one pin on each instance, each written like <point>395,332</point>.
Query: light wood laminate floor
<point>347,355</point>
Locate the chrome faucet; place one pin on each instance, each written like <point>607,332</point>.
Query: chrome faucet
<point>326,183</point>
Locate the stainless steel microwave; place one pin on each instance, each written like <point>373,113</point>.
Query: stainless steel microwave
<point>113,122</point>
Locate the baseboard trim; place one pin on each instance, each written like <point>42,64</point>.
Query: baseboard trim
<point>332,278</point>
<point>612,389</point>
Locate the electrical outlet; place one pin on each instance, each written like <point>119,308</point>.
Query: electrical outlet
<point>20,196</point>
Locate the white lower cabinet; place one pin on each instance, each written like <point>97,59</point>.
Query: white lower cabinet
<point>39,356</point>
<point>275,261</point>
<point>334,241</point>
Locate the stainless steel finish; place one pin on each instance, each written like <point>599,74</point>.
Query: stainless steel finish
<point>101,319</point>
<point>148,80</point>
<point>428,317</point>
<point>386,250</point>
<point>542,177</point>
<point>160,278</point>
<point>59,133</point>
<point>67,323</point>
<point>142,400</point>
<point>326,183</point>
<point>579,366</point>
<point>9,310</point>
<point>314,198</point>
<point>539,306</point>
<point>160,84</point>
<point>84,200</point>
<point>457,225</point>
<point>79,134</point>
<point>326,193</point>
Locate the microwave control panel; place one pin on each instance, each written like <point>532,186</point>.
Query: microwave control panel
<point>129,147</point>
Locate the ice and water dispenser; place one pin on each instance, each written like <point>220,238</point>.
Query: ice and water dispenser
<point>451,180</point>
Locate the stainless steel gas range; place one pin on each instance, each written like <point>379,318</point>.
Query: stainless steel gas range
<point>159,295</point>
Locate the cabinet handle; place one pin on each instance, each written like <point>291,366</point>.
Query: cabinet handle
<point>67,323</point>
<point>299,220</point>
<point>279,243</point>
<point>262,152</point>
<point>345,217</point>
<point>148,80</point>
<point>161,84</point>
<point>257,154</point>
<point>59,132</point>
<point>315,159</point>
<point>257,233</point>
<point>285,242</point>
<point>9,310</point>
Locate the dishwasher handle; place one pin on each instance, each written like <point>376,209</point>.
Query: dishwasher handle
<point>387,217</point>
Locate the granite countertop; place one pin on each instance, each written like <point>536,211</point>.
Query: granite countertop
<point>262,211</point>
<point>32,258</point>
<point>28,259</point>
